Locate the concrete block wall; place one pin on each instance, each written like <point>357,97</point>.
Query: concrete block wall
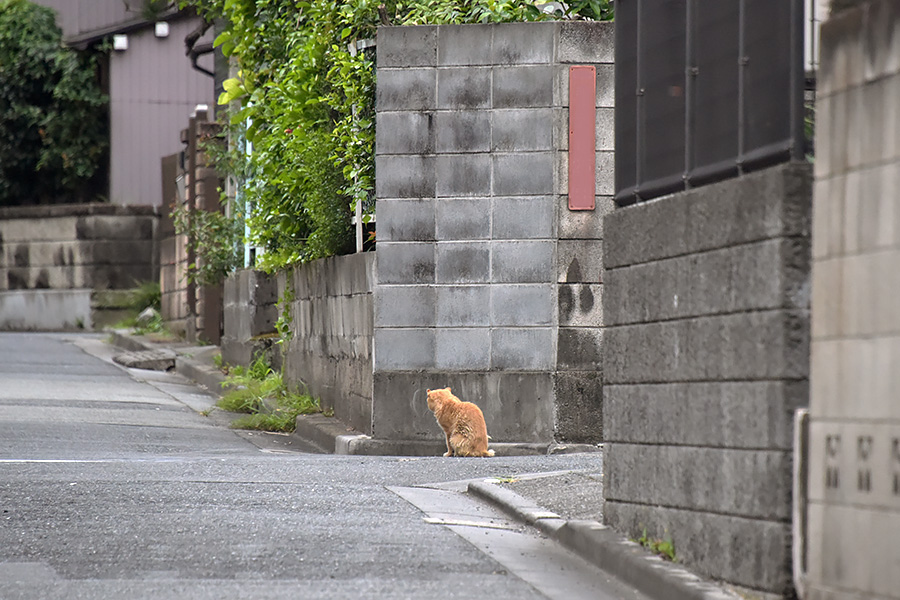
<point>331,323</point>
<point>486,281</point>
<point>62,248</point>
<point>76,246</point>
<point>706,307</point>
<point>250,313</point>
<point>854,444</point>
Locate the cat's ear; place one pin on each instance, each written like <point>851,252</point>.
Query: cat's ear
<point>448,389</point>
<point>427,391</point>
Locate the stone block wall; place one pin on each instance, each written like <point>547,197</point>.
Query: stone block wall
<point>250,312</point>
<point>95,246</point>
<point>487,282</point>
<point>330,348</point>
<point>854,437</point>
<point>706,307</point>
<point>51,255</point>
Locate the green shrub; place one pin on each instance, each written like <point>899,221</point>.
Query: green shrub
<point>261,393</point>
<point>308,95</point>
<point>53,132</point>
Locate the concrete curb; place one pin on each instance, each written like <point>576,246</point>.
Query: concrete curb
<point>195,365</point>
<point>201,373</point>
<point>332,436</point>
<point>603,547</point>
<point>318,432</point>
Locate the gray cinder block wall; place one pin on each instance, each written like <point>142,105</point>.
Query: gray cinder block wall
<point>706,306</point>
<point>54,257</point>
<point>331,323</point>
<point>250,312</point>
<point>486,282</point>
<point>854,443</point>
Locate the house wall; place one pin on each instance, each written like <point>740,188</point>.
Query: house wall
<point>79,17</point>
<point>153,89</point>
<point>706,307</point>
<point>152,92</point>
<point>486,281</point>
<point>854,443</point>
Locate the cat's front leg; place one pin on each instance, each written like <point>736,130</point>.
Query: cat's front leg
<point>449,451</point>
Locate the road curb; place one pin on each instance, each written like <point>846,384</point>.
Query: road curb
<point>201,373</point>
<point>603,547</point>
<point>192,365</point>
<point>328,434</point>
<point>332,436</point>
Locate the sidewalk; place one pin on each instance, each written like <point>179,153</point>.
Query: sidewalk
<point>566,506</point>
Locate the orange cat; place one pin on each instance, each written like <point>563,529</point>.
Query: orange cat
<point>462,422</point>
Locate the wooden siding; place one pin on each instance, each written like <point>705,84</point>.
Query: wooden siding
<point>77,17</point>
<point>153,91</point>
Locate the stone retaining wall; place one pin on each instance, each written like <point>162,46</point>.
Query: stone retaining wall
<point>70,250</point>
<point>706,304</point>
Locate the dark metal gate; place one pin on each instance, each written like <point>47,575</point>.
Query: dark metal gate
<point>705,90</point>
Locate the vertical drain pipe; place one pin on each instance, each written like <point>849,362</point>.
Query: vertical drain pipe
<point>800,497</point>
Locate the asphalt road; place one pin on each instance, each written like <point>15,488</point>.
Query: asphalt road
<point>113,485</point>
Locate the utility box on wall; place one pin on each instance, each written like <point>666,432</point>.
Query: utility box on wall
<point>487,280</point>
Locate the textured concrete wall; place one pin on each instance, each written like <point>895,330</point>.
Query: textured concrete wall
<point>330,349</point>
<point>854,446</point>
<point>96,246</point>
<point>250,310</point>
<point>706,307</point>
<point>70,250</point>
<point>486,281</point>
<point>45,310</point>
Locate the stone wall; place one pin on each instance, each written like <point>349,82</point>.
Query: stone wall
<point>49,254</point>
<point>706,307</point>
<point>854,444</point>
<point>250,311</point>
<point>487,282</point>
<point>330,348</point>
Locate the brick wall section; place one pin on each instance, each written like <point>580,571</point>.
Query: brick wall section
<point>486,281</point>
<point>93,246</point>
<point>706,307</point>
<point>173,259</point>
<point>854,502</point>
<point>330,349</point>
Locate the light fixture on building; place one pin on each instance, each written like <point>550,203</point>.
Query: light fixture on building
<point>180,185</point>
<point>120,42</point>
<point>161,29</point>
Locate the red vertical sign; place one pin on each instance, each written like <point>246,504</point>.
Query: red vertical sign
<point>582,137</point>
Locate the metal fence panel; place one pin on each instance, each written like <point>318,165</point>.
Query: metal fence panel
<point>705,90</point>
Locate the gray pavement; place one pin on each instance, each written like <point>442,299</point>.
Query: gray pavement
<point>562,498</point>
<point>112,484</point>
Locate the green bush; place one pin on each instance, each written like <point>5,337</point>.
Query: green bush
<point>308,95</point>
<point>53,132</point>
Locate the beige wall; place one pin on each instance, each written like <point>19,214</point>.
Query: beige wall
<point>854,473</point>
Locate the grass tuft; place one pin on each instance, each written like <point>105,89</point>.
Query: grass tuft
<point>259,392</point>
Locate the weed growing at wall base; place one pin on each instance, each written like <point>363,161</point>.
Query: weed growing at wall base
<point>260,393</point>
<point>664,548</point>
